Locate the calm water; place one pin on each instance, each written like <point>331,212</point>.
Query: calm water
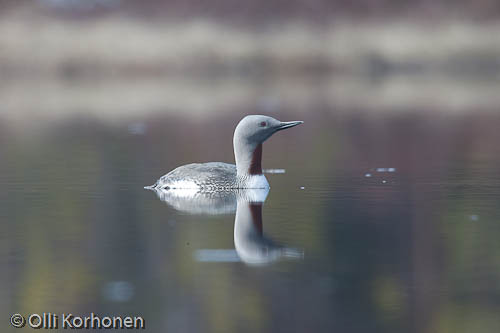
<point>389,221</point>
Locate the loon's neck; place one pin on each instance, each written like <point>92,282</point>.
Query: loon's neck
<point>248,158</point>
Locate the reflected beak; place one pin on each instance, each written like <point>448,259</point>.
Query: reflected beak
<point>288,124</point>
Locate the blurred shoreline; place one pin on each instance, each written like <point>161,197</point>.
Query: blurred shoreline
<point>113,99</point>
<point>34,44</point>
<point>114,65</point>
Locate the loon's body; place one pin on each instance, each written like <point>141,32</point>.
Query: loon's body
<point>248,137</point>
<point>210,176</point>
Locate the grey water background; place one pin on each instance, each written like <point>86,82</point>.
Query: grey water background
<point>415,249</point>
<point>390,188</point>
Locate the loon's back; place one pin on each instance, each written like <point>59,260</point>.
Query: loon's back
<point>208,177</point>
<point>212,175</point>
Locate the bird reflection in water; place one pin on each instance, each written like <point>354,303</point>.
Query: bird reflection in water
<point>251,245</point>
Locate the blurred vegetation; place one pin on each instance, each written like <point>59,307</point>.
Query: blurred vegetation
<point>111,57</point>
<point>259,10</point>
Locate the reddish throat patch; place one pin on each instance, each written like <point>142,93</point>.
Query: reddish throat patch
<point>255,165</point>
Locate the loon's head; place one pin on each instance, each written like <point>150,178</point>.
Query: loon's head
<point>249,135</point>
<point>256,129</point>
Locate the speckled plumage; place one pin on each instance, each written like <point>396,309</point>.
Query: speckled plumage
<point>206,176</point>
<point>209,177</point>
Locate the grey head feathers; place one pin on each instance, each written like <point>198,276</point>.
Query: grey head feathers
<point>248,137</point>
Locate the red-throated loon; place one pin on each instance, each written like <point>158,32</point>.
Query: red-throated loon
<point>248,137</point>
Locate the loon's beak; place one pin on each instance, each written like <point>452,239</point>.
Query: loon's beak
<point>288,124</point>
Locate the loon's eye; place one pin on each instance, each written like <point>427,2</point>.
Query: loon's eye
<point>263,124</point>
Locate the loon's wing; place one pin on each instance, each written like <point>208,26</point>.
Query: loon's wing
<point>198,175</point>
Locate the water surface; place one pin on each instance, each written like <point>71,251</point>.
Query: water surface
<point>395,215</point>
